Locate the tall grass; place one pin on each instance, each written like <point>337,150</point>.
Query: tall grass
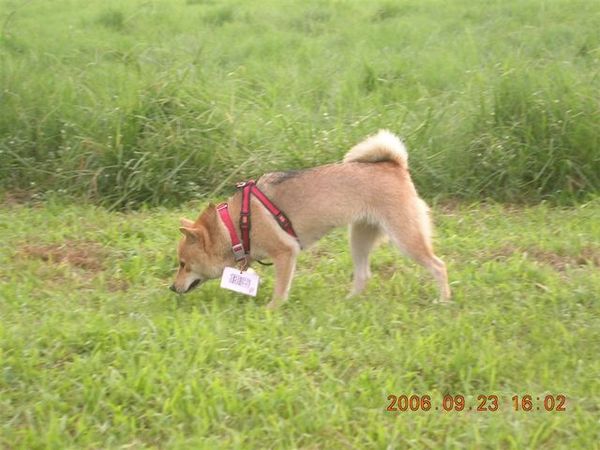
<point>156,102</point>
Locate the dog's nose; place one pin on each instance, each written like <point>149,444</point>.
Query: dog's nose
<point>173,288</point>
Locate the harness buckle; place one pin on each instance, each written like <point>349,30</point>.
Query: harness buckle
<point>242,184</point>
<point>238,252</point>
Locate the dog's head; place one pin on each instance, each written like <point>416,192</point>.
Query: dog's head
<point>201,252</point>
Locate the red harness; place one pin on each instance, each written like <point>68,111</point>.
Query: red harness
<point>241,249</point>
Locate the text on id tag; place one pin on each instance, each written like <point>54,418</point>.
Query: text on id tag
<point>238,281</point>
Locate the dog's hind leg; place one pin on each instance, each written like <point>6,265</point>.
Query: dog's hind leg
<point>285,264</point>
<point>437,268</point>
<point>363,236</point>
<point>410,230</point>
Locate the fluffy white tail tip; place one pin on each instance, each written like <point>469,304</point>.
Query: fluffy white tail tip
<point>383,146</point>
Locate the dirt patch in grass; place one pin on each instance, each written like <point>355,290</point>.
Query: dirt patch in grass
<point>588,256</point>
<point>89,256</point>
<point>448,206</point>
<point>15,198</point>
<point>117,285</point>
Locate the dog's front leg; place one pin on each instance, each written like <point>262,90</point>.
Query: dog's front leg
<point>285,264</point>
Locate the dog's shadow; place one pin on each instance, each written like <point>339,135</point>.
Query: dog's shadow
<point>210,297</point>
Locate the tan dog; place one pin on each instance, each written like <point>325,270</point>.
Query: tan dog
<point>371,190</point>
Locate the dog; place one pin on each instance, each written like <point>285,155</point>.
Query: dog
<point>371,191</point>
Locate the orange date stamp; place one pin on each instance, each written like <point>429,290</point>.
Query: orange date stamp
<point>482,403</point>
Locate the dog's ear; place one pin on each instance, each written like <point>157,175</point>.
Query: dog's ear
<point>186,223</point>
<point>209,216</point>
<point>197,235</point>
<point>193,234</point>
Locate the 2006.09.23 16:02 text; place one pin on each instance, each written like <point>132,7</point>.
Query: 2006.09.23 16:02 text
<point>484,403</point>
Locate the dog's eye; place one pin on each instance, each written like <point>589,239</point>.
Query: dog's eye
<point>181,264</point>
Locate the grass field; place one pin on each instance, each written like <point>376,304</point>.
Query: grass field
<point>96,352</point>
<point>118,117</point>
<point>157,102</point>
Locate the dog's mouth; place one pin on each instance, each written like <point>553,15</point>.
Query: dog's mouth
<point>194,284</point>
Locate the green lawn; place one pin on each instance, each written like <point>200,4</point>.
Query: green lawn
<point>96,352</point>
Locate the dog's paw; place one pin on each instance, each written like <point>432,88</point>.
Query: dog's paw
<point>272,305</point>
<point>442,301</point>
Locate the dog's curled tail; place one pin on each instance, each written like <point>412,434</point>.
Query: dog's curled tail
<point>383,146</point>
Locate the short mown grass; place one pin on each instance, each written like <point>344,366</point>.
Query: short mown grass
<point>96,352</point>
<point>132,103</point>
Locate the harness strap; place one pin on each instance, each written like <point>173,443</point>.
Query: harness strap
<point>281,218</point>
<point>241,249</point>
<point>245,217</point>
<point>236,245</point>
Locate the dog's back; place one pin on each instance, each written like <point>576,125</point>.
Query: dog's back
<point>373,178</point>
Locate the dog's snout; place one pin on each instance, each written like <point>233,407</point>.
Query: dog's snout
<point>173,288</point>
